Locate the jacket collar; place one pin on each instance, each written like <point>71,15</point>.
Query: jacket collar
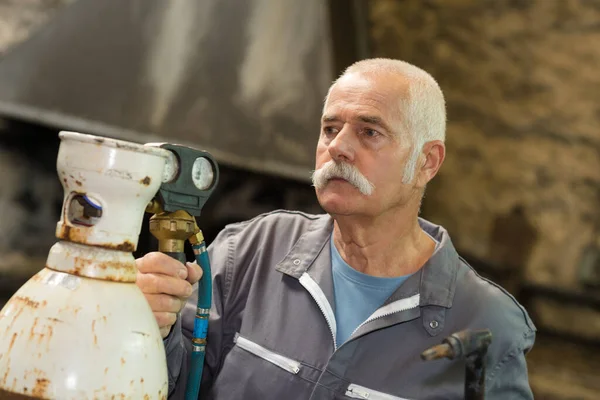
<point>435,281</point>
<point>310,245</point>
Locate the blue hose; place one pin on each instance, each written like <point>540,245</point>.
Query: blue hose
<point>200,323</point>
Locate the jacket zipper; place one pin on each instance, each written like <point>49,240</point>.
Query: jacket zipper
<point>283,362</point>
<point>317,294</point>
<point>360,392</point>
<point>392,308</point>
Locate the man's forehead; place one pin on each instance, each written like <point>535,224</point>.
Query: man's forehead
<point>364,90</point>
<point>368,99</point>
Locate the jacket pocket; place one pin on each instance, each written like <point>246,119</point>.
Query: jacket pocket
<point>361,392</point>
<point>282,362</point>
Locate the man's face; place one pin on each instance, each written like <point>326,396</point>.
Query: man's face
<point>361,127</point>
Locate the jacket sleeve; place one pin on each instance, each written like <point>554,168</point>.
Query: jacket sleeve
<point>178,343</point>
<point>508,379</point>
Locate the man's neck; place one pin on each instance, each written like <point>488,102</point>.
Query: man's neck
<point>387,246</point>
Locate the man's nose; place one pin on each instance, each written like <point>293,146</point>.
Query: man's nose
<point>341,148</point>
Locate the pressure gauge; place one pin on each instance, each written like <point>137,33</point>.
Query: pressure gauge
<point>203,173</point>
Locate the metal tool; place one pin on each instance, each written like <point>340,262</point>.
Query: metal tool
<point>471,346</point>
<point>194,176</point>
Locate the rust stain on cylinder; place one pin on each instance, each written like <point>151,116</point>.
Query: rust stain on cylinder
<point>116,266</point>
<point>125,246</point>
<point>12,342</point>
<point>116,271</point>
<point>32,330</point>
<point>6,374</point>
<point>78,183</point>
<point>81,235</point>
<point>122,361</point>
<point>27,301</point>
<point>17,314</point>
<point>40,388</point>
<point>50,333</point>
<point>146,181</point>
<point>94,333</point>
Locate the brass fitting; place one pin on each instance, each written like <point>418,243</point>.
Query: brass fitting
<point>154,207</point>
<point>172,229</point>
<point>197,237</point>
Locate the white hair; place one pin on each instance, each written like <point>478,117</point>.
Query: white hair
<point>424,109</point>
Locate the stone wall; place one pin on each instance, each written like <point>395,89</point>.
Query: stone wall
<point>520,187</point>
<point>521,184</point>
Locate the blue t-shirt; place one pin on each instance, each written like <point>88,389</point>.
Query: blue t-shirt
<point>357,295</point>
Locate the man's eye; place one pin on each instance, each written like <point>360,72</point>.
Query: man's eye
<point>371,133</point>
<point>329,130</point>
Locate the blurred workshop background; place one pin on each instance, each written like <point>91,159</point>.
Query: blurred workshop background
<point>519,191</point>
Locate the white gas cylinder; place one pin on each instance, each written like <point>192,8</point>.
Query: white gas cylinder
<point>80,328</point>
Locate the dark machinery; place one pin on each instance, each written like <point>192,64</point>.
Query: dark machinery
<point>471,346</point>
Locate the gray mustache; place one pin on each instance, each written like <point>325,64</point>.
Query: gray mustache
<point>345,171</point>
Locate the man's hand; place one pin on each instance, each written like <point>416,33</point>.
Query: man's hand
<point>167,284</point>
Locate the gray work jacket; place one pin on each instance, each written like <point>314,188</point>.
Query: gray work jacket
<point>272,327</point>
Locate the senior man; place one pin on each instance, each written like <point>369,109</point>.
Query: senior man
<point>341,305</point>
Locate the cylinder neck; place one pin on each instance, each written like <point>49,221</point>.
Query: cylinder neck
<point>107,185</point>
<point>92,262</point>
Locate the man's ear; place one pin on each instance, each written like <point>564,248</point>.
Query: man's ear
<point>432,158</point>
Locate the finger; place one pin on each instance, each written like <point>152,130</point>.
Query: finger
<point>164,303</point>
<point>160,263</point>
<point>194,272</point>
<point>157,283</point>
<point>165,319</point>
<point>164,331</point>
